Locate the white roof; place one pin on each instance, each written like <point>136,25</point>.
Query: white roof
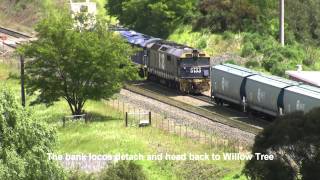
<point>76,7</point>
<point>310,77</point>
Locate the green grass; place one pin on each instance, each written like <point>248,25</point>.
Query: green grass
<point>111,137</point>
<point>106,134</point>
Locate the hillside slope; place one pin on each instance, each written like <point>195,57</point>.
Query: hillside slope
<point>22,15</point>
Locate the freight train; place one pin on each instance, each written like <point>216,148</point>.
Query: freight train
<point>178,66</point>
<point>188,70</point>
<point>270,95</point>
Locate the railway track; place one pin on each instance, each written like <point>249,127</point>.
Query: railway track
<point>15,37</point>
<point>202,97</point>
<point>231,121</point>
<point>14,33</point>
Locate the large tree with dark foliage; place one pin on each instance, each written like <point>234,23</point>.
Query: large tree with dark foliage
<point>223,15</point>
<point>153,17</point>
<point>24,143</point>
<point>76,63</point>
<point>295,141</point>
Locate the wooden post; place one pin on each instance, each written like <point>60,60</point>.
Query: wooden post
<point>126,119</point>
<point>150,118</point>
<point>186,130</point>
<point>23,96</point>
<point>63,121</point>
<point>162,122</point>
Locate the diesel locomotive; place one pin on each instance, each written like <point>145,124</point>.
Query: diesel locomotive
<point>178,66</point>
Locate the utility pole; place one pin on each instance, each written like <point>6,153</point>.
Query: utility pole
<point>281,6</point>
<point>23,96</point>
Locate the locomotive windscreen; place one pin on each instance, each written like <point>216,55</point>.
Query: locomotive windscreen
<point>192,62</point>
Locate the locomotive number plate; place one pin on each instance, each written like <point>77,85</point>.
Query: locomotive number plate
<point>195,70</point>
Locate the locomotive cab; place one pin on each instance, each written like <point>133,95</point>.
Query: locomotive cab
<point>194,71</point>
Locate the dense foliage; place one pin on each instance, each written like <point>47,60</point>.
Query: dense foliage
<point>24,144</point>
<point>76,63</point>
<point>223,15</point>
<point>295,141</point>
<point>122,170</point>
<point>274,58</point>
<point>153,17</point>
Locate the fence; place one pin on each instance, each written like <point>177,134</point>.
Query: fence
<point>195,131</point>
<point>12,60</point>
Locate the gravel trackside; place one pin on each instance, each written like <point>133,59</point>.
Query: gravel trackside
<point>180,116</point>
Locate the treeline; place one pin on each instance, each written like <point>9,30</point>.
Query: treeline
<point>256,20</point>
<point>162,17</point>
<point>153,17</point>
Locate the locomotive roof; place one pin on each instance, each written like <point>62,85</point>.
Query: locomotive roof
<point>135,38</point>
<point>168,47</point>
<point>175,49</point>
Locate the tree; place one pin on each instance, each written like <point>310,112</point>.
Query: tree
<point>153,17</point>
<point>294,140</point>
<point>24,144</point>
<point>76,63</point>
<point>220,16</point>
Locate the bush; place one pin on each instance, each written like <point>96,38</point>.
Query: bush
<point>277,59</point>
<point>252,64</point>
<point>124,170</point>
<point>294,140</point>
<point>24,143</point>
<point>248,50</point>
<point>231,61</point>
<point>202,43</point>
<point>312,55</point>
<point>279,69</point>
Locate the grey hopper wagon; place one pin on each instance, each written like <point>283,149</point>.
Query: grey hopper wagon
<point>265,93</point>
<point>228,83</point>
<point>301,98</point>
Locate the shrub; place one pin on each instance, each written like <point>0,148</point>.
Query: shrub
<point>248,50</point>
<point>24,143</point>
<point>202,43</point>
<point>123,170</point>
<point>231,61</point>
<point>252,64</point>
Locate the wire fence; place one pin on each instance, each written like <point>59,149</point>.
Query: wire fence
<point>183,129</point>
<point>12,60</point>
